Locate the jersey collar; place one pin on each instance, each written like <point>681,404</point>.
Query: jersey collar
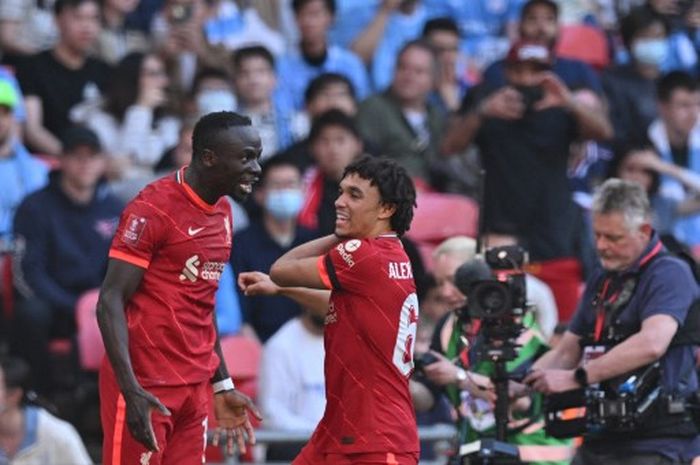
<point>190,193</point>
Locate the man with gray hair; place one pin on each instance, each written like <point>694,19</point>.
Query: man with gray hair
<point>631,315</point>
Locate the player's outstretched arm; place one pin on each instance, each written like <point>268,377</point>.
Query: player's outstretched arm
<point>299,266</point>
<point>254,283</point>
<point>120,283</point>
<point>231,406</point>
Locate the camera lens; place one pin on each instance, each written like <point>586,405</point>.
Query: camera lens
<point>492,299</point>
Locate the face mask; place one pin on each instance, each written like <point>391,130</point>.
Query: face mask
<point>284,204</point>
<point>209,101</point>
<point>650,51</point>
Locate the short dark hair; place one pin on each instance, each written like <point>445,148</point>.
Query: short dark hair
<point>622,150</point>
<point>418,43</point>
<point>62,5</point>
<point>394,184</point>
<point>299,4</point>
<point>208,72</point>
<point>673,81</point>
<point>245,53</point>
<point>440,24</point>
<point>333,117</point>
<point>533,3</point>
<point>323,81</point>
<point>17,376</point>
<point>209,126</point>
<point>275,162</point>
<point>638,19</point>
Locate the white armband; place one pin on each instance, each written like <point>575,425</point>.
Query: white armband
<point>223,385</point>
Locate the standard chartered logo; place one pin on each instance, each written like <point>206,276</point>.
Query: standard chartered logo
<point>209,271</point>
<point>190,271</point>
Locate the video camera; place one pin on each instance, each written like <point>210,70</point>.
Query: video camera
<point>617,406</point>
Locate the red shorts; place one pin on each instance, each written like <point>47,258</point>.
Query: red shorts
<point>181,437</point>
<point>310,455</point>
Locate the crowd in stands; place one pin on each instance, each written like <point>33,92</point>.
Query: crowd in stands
<point>547,97</point>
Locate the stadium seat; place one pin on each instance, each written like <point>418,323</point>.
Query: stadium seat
<point>440,216</point>
<point>586,43</point>
<point>90,347</point>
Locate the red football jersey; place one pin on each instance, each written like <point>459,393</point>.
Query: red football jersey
<point>369,337</point>
<point>183,243</point>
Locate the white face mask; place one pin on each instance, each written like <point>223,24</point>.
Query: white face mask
<point>209,101</point>
<point>650,51</point>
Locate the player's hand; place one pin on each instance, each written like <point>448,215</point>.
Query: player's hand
<point>506,103</point>
<point>254,283</point>
<point>231,411</point>
<point>139,405</point>
<point>551,381</point>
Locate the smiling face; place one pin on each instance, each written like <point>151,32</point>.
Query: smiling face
<point>233,161</point>
<point>359,210</point>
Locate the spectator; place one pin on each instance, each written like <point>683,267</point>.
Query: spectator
<point>179,34</point>
<point>20,173</point>
<point>292,389</point>
<point>335,143</point>
<point>539,23</point>
<point>233,27</point>
<point>67,67</point>
<point>259,98</point>
<point>451,83</point>
<point>268,238</point>
<point>486,27</point>
<point>116,40</point>
<point>325,92</point>
<point>29,434</point>
<point>630,89</point>
<point>527,126</point>
<point>64,231</point>
<point>676,136</point>
<point>641,163</point>
<point>212,91</point>
<point>401,122</point>
<point>395,24</point>
<point>680,16</point>
<point>133,124</point>
<point>26,28</point>
<point>315,55</point>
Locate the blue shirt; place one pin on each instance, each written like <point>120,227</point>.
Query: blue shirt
<point>228,307</point>
<point>20,175</point>
<point>400,29</point>
<point>665,287</point>
<point>295,73</point>
<point>351,18</point>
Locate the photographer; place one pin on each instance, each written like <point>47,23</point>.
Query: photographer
<point>630,317</point>
<point>453,366</point>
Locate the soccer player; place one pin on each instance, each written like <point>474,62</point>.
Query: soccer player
<point>370,321</point>
<point>156,307</point>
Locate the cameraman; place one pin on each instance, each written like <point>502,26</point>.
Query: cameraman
<point>452,366</point>
<point>620,327</point>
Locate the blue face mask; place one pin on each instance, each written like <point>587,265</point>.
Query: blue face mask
<point>650,51</point>
<point>213,100</point>
<point>284,204</point>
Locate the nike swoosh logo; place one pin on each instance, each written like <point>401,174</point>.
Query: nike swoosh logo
<point>192,232</point>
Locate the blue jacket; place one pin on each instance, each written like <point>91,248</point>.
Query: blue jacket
<point>63,246</point>
<point>20,175</point>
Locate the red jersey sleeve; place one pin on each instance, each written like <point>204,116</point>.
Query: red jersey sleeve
<point>346,266</point>
<point>141,231</point>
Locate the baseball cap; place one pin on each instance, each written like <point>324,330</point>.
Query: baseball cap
<point>530,52</point>
<point>8,95</point>
<point>78,136</point>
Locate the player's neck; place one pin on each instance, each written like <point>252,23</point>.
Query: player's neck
<point>194,179</point>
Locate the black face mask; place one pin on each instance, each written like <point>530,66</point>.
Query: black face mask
<point>317,320</point>
<point>531,95</point>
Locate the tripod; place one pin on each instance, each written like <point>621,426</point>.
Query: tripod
<point>495,451</point>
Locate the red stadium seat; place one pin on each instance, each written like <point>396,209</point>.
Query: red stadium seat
<point>585,43</point>
<point>91,350</point>
<point>440,216</point>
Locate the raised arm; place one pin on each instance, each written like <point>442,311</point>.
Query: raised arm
<point>254,283</point>
<point>299,266</point>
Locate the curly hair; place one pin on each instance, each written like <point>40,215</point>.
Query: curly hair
<point>394,184</point>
